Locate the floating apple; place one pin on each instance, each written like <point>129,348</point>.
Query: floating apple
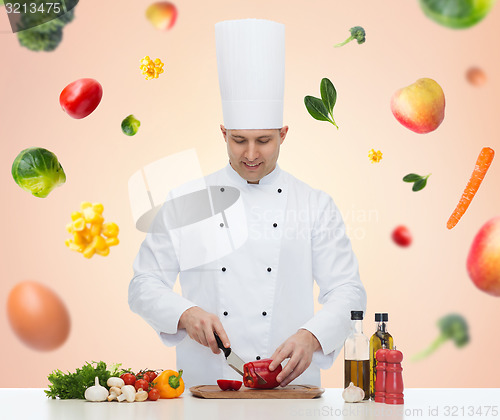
<point>483,262</point>
<point>162,15</point>
<point>420,106</point>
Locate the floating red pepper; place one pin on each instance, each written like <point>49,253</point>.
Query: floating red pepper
<point>260,368</point>
<point>228,385</point>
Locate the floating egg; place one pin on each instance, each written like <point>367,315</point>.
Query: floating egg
<point>38,317</point>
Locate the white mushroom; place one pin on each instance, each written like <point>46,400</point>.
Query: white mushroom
<point>114,391</point>
<point>116,382</point>
<point>128,393</point>
<point>141,395</point>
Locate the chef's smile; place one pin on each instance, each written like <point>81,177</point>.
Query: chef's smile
<point>253,153</point>
<point>252,166</point>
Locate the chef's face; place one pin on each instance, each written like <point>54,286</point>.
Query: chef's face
<point>253,153</point>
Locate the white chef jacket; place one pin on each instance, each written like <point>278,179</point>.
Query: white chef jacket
<point>263,290</point>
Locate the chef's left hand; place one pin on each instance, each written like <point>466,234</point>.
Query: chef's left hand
<point>299,348</point>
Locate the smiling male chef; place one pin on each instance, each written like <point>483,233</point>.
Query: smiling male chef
<point>247,267</point>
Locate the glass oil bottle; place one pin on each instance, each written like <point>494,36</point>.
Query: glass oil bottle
<point>356,356</point>
<point>381,338</point>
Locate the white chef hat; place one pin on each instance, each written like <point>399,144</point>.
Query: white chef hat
<point>251,66</point>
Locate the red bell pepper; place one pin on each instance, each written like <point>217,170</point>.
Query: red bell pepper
<point>227,385</point>
<point>260,367</point>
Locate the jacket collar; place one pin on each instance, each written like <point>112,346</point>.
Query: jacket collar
<point>269,179</point>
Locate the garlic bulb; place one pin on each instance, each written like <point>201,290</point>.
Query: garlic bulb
<point>96,392</point>
<point>353,394</point>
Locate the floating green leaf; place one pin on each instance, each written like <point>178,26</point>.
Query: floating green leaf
<point>328,94</point>
<point>420,184</point>
<point>411,178</point>
<point>316,108</point>
<point>419,181</point>
<point>322,109</point>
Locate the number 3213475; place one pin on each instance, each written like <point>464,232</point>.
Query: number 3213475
<point>33,8</point>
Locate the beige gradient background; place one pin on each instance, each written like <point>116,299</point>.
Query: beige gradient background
<point>182,110</point>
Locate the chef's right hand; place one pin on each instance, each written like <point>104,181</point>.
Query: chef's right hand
<point>201,325</point>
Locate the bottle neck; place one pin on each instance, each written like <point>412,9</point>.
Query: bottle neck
<point>357,326</point>
<point>381,326</point>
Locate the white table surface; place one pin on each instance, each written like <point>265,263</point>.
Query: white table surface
<point>460,403</point>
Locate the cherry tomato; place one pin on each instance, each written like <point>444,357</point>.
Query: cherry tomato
<point>227,385</point>
<point>128,378</point>
<point>401,236</point>
<point>153,395</point>
<point>81,97</point>
<point>141,383</point>
<point>151,375</point>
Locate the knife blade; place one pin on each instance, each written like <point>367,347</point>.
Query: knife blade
<point>233,360</point>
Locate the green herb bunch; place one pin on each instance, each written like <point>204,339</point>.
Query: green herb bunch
<point>73,385</point>
<point>322,109</point>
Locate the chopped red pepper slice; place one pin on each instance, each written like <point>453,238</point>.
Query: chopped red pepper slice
<point>252,371</point>
<point>227,385</point>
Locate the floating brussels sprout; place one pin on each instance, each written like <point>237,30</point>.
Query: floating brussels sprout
<point>130,125</point>
<point>457,14</point>
<point>38,171</point>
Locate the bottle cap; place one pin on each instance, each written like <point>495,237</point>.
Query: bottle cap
<point>356,315</point>
<point>382,317</point>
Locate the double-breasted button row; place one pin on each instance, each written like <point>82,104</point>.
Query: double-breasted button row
<point>225,313</point>
<point>269,269</point>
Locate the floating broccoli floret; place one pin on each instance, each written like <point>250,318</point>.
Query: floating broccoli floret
<point>43,31</point>
<point>357,33</point>
<point>453,327</point>
<point>36,40</point>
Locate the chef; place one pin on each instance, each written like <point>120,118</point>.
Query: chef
<point>249,241</point>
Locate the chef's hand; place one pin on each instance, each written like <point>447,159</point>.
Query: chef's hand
<point>200,326</point>
<point>299,348</point>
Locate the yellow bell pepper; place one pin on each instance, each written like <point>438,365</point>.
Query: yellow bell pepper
<point>170,384</point>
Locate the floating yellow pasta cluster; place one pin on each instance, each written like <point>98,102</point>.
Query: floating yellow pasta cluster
<point>151,69</point>
<point>375,156</point>
<point>90,234</point>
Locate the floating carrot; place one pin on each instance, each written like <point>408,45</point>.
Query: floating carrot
<point>483,162</point>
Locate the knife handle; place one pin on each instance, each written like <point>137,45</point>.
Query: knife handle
<point>226,350</point>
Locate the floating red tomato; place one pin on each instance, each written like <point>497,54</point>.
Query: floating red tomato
<point>402,236</point>
<point>81,97</point>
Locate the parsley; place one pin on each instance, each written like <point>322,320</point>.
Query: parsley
<point>73,385</point>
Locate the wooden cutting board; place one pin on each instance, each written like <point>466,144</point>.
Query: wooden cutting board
<point>288,392</point>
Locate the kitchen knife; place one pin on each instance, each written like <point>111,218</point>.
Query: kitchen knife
<point>233,359</point>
